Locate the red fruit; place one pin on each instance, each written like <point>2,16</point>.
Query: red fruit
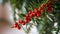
<point>18,27</point>
<point>22,22</point>
<point>27,21</point>
<point>27,17</point>
<point>49,9</point>
<point>38,15</point>
<point>42,5</point>
<point>42,9</point>
<point>49,6</point>
<point>29,12</point>
<point>16,24</point>
<point>31,15</point>
<point>35,10</point>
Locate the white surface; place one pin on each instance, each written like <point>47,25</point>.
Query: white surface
<point>14,31</point>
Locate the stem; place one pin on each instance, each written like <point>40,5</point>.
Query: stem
<point>24,29</point>
<point>27,32</point>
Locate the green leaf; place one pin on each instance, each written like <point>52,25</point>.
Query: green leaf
<point>21,16</point>
<point>49,18</point>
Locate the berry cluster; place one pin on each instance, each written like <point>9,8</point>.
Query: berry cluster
<point>36,13</point>
<point>16,25</point>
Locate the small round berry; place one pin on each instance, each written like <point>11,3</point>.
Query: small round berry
<point>18,27</point>
<point>35,10</point>
<point>16,24</point>
<point>27,21</point>
<point>49,6</point>
<point>29,12</point>
<point>42,9</point>
<point>38,15</point>
<point>22,22</point>
<point>42,5</point>
<point>27,17</point>
<point>33,13</point>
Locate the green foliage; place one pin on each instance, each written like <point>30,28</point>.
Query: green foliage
<point>21,16</point>
<point>17,3</point>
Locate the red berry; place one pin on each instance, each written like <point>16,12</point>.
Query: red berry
<point>27,21</point>
<point>18,27</point>
<point>49,9</point>
<point>33,13</point>
<point>42,9</point>
<point>29,12</point>
<point>27,17</point>
<point>35,10</point>
<point>22,22</point>
<point>49,6</point>
<point>16,24</point>
<point>38,15</point>
<point>42,5</point>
